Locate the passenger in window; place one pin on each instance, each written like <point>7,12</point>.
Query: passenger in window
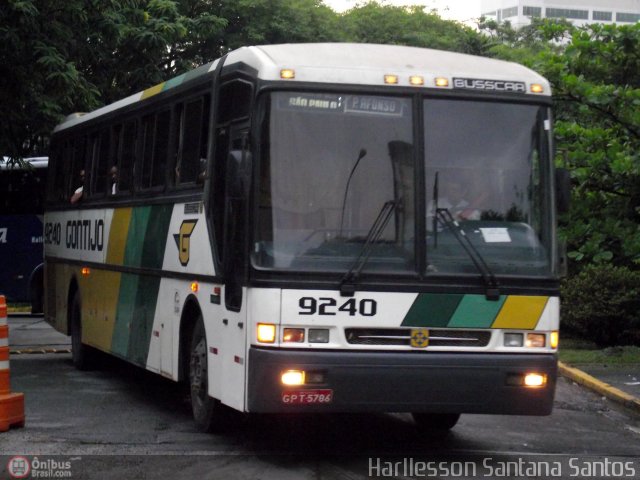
<point>202,171</point>
<point>77,194</point>
<point>113,180</point>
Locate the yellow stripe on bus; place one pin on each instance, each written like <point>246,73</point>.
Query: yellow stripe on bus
<point>118,236</point>
<point>150,92</point>
<point>520,312</point>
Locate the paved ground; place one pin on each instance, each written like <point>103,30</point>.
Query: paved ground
<point>121,422</point>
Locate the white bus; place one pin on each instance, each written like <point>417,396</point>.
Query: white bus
<point>317,228</point>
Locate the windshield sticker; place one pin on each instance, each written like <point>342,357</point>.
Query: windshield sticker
<point>496,235</point>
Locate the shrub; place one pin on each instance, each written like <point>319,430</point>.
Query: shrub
<point>602,304</point>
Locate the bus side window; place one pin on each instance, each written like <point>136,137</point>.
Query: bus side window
<point>101,166</point>
<point>126,156</point>
<point>155,148</point>
<point>193,140</point>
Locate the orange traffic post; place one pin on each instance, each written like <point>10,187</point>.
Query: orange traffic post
<point>11,404</point>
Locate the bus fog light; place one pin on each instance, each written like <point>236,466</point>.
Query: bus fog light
<point>293,335</point>
<point>266,333</point>
<point>318,335</point>
<point>535,380</point>
<point>513,339</point>
<point>535,340</point>
<point>292,377</point>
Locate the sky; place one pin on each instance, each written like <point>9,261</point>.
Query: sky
<point>461,10</point>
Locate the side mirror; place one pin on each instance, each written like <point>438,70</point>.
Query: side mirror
<point>563,190</point>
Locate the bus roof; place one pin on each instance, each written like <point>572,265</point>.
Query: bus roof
<point>35,162</point>
<point>350,64</point>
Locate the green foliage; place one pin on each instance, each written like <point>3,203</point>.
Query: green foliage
<point>595,74</point>
<point>377,23</point>
<point>602,304</point>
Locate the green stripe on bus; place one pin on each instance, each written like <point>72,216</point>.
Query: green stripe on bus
<point>475,311</point>
<point>138,294</point>
<point>432,310</point>
<point>447,310</point>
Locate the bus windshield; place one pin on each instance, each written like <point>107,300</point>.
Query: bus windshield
<point>334,167</point>
<point>330,163</point>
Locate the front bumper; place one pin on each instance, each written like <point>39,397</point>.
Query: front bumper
<point>404,382</point>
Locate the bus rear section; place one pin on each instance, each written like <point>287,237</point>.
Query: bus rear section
<point>21,239</point>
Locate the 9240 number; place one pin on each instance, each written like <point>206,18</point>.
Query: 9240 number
<point>367,307</point>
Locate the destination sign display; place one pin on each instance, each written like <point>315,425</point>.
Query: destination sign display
<point>346,104</point>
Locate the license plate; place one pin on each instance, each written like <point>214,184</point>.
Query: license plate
<point>307,397</point>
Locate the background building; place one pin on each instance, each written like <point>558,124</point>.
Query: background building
<point>578,12</point>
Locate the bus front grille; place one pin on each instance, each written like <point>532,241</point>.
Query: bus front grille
<point>402,337</point>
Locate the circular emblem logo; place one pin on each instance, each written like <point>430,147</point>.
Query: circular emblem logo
<point>19,467</point>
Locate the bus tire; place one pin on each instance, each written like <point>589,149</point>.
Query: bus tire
<point>435,422</point>
<point>208,412</point>
<point>81,354</point>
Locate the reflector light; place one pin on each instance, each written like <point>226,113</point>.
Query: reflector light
<point>416,80</point>
<point>554,339</point>
<point>391,79</point>
<point>292,377</point>
<point>535,380</point>
<point>86,271</point>
<point>195,287</point>
<point>287,74</point>
<point>537,88</point>
<point>318,335</point>
<point>513,339</point>
<point>266,333</point>
<point>442,82</point>
<point>535,340</point>
<point>293,335</point>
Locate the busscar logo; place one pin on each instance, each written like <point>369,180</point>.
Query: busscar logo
<point>489,85</point>
<point>183,240</point>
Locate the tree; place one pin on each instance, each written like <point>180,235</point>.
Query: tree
<point>76,55</point>
<point>413,26</point>
<point>595,75</point>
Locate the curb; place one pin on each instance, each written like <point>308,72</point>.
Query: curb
<point>598,386</point>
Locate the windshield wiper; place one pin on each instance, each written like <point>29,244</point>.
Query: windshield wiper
<point>492,291</point>
<point>347,284</point>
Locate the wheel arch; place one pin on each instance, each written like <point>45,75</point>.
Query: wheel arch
<point>190,313</point>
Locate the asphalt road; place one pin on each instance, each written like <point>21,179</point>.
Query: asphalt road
<point>121,422</point>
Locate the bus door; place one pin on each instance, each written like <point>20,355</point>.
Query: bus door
<point>230,201</point>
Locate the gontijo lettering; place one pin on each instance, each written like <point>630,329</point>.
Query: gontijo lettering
<point>85,234</point>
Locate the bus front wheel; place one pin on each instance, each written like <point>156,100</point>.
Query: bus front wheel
<point>207,411</point>
<point>435,422</point>
<point>81,354</point>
